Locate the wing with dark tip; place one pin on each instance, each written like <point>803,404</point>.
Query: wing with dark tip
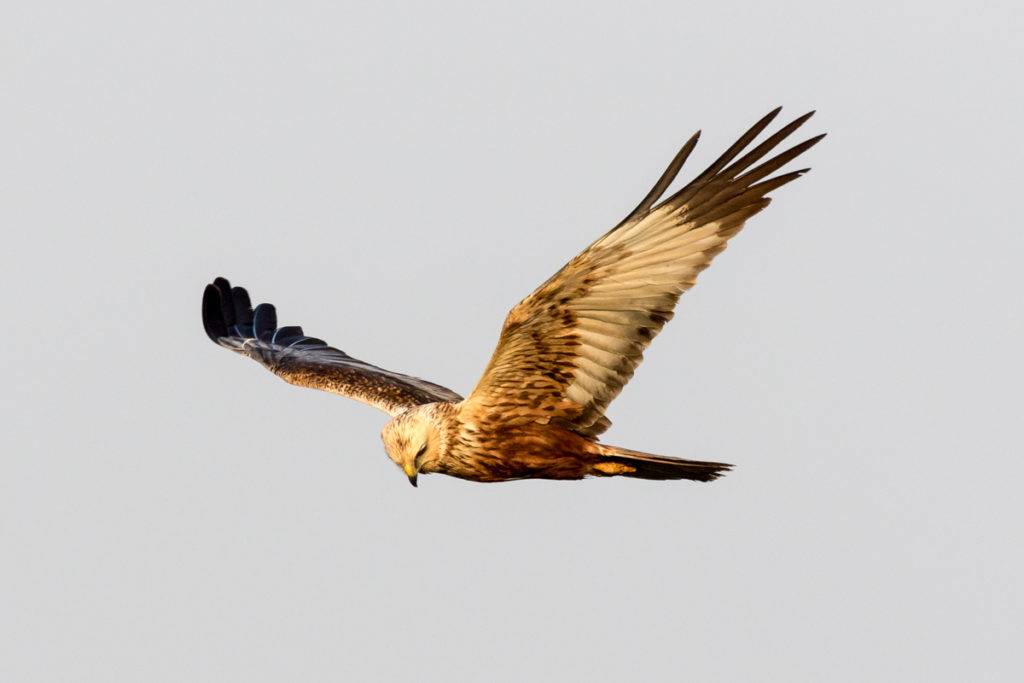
<point>568,349</point>
<point>232,322</point>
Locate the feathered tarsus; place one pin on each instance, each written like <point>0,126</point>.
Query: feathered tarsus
<point>564,352</point>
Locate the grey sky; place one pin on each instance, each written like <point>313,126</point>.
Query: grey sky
<point>394,177</point>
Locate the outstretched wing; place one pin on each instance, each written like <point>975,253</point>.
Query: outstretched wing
<point>568,349</point>
<point>230,321</point>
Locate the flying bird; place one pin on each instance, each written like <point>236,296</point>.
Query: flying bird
<point>565,351</point>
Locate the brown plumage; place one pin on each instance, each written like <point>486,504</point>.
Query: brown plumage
<point>565,351</point>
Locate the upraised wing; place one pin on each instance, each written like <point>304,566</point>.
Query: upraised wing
<point>568,349</point>
<point>230,321</point>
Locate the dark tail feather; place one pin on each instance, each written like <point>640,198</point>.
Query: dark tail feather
<point>625,463</point>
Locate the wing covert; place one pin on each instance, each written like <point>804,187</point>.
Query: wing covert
<point>231,322</point>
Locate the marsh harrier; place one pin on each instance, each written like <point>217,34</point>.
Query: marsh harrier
<point>565,351</point>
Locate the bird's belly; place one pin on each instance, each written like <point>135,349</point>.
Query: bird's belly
<point>521,453</point>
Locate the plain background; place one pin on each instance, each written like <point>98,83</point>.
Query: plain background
<point>395,177</point>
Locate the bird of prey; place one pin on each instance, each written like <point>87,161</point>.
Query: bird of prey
<point>565,351</point>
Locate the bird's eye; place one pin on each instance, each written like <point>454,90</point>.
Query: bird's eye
<point>423,449</point>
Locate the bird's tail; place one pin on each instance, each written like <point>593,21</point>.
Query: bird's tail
<point>613,461</point>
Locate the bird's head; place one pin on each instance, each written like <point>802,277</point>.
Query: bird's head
<point>413,441</point>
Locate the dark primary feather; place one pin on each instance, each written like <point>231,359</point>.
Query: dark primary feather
<point>232,322</point>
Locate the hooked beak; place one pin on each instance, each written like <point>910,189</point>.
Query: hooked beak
<point>411,473</point>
